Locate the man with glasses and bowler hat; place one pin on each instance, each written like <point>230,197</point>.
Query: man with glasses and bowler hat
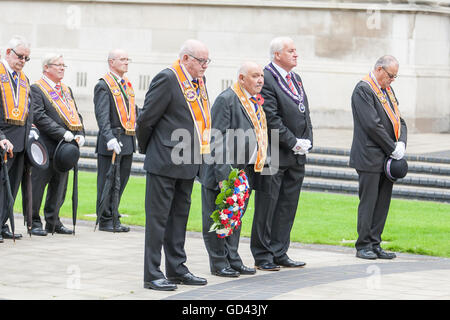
<point>16,119</point>
<point>379,132</point>
<point>57,118</point>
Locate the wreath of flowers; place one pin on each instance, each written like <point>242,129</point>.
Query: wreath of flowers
<point>230,204</point>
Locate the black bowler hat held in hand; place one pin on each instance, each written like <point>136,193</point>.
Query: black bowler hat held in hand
<point>37,154</point>
<point>395,169</point>
<point>66,155</point>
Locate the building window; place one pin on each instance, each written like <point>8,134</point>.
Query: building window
<point>226,83</point>
<point>81,79</point>
<point>144,82</point>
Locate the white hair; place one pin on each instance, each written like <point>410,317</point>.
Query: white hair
<point>17,41</point>
<point>385,61</point>
<point>277,44</point>
<point>114,53</point>
<point>49,58</point>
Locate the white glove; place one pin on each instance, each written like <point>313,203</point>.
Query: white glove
<point>68,136</point>
<point>33,134</point>
<point>302,146</point>
<point>399,151</point>
<point>113,144</point>
<point>80,140</point>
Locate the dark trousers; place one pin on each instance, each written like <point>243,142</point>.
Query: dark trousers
<point>103,165</point>
<point>222,252</point>
<point>167,204</point>
<point>56,193</point>
<point>275,213</point>
<point>16,176</point>
<point>375,191</point>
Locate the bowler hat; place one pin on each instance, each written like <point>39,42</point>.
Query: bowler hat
<point>37,153</point>
<point>66,155</point>
<point>395,169</point>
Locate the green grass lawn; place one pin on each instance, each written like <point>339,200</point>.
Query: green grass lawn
<point>419,227</point>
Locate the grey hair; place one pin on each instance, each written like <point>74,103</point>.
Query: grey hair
<point>277,44</point>
<point>189,47</point>
<point>385,61</point>
<point>17,41</point>
<point>49,58</point>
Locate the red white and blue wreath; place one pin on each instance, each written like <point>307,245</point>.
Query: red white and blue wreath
<point>230,204</point>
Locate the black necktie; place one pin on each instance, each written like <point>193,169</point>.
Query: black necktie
<point>195,84</point>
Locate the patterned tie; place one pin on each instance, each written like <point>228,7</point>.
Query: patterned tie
<point>255,104</point>
<point>124,85</point>
<point>290,84</point>
<point>195,84</point>
<point>15,77</point>
<point>58,90</point>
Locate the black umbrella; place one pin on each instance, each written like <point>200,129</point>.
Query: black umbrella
<point>105,198</point>
<point>9,199</point>
<point>75,197</point>
<point>116,192</point>
<point>27,198</point>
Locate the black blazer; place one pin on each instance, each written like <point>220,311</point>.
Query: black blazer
<point>108,122</point>
<point>17,135</point>
<point>228,113</point>
<point>50,125</point>
<point>373,133</point>
<point>165,112</point>
<point>283,114</point>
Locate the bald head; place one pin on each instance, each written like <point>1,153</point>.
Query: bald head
<point>251,77</point>
<point>118,61</point>
<point>194,55</point>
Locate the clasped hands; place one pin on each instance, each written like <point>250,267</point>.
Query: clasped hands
<point>302,146</point>
<point>399,151</point>
<point>68,136</point>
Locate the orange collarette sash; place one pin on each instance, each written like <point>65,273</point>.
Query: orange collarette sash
<point>260,126</point>
<point>198,105</point>
<point>394,116</point>
<point>66,108</point>
<point>127,116</point>
<point>15,104</point>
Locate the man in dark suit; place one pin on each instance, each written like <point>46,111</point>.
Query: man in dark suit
<point>15,118</point>
<point>378,132</point>
<point>56,116</point>
<point>116,113</point>
<point>173,132</point>
<point>287,111</point>
<point>237,121</point>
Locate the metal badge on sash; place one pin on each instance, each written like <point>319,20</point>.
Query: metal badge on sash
<point>301,107</point>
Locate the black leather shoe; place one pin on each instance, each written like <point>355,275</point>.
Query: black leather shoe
<point>289,263</point>
<point>8,235</point>
<point>188,279</point>
<point>381,254</point>
<point>245,270</point>
<point>267,266</point>
<point>110,228</point>
<point>226,272</point>
<point>160,284</point>
<point>38,231</point>
<point>58,229</point>
<point>366,254</point>
<point>1,238</point>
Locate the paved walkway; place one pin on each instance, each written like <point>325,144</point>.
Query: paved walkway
<point>100,265</point>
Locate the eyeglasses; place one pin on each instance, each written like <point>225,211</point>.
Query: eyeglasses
<point>391,76</point>
<point>123,59</point>
<point>58,65</point>
<point>201,61</point>
<point>21,56</point>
